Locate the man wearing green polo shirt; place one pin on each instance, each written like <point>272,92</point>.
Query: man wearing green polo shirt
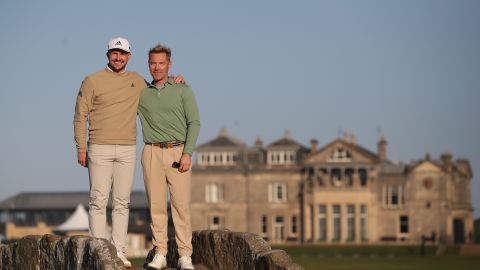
<point>170,122</point>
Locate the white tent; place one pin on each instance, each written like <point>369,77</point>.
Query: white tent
<point>78,221</point>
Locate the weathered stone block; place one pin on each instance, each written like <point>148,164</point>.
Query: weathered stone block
<point>50,252</point>
<point>222,249</point>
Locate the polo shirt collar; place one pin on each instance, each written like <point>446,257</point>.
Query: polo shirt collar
<point>170,81</point>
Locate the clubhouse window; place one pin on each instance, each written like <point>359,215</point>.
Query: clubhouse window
<point>350,222</point>
<point>264,226</point>
<point>322,222</point>
<point>277,192</point>
<point>404,224</point>
<point>214,193</point>
<point>337,224</point>
<point>363,222</point>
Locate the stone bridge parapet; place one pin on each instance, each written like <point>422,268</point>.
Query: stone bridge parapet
<point>213,249</point>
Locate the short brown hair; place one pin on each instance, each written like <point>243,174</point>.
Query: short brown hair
<point>160,48</point>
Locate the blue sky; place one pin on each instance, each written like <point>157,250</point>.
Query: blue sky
<point>409,68</point>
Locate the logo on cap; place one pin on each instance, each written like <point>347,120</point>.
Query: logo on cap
<point>119,43</point>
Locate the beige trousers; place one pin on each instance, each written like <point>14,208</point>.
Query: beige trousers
<point>158,174</point>
<point>110,168</point>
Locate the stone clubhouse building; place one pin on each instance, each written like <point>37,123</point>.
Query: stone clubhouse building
<point>341,193</point>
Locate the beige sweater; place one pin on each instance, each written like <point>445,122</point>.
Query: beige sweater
<point>108,101</point>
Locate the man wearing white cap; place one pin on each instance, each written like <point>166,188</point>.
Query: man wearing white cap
<point>108,101</point>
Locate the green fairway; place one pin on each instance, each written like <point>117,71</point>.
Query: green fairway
<point>427,263</point>
<point>372,258</point>
<point>377,258</point>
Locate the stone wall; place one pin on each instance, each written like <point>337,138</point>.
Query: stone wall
<point>222,249</point>
<point>216,250</point>
<point>50,252</point>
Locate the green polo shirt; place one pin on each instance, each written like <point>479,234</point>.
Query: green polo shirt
<point>168,113</point>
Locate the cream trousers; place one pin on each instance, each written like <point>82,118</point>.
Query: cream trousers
<point>159,174</point>
<point>110,168</point>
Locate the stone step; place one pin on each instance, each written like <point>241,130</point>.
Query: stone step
<point>470,250</point>
<point>441,250</point>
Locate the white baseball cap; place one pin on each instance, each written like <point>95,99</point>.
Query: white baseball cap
<point>119,43</point>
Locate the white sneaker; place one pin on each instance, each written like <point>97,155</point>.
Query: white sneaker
<point>185,262</point>
<point>124,259</point>
<point>158,262</point>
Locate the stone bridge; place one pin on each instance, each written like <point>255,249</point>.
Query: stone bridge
<point>219,249</point>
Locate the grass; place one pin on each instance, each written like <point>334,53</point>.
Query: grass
<point>401,263</point>
<point>377,258</point>
<point>371,258</point>
<point>137,262</point>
